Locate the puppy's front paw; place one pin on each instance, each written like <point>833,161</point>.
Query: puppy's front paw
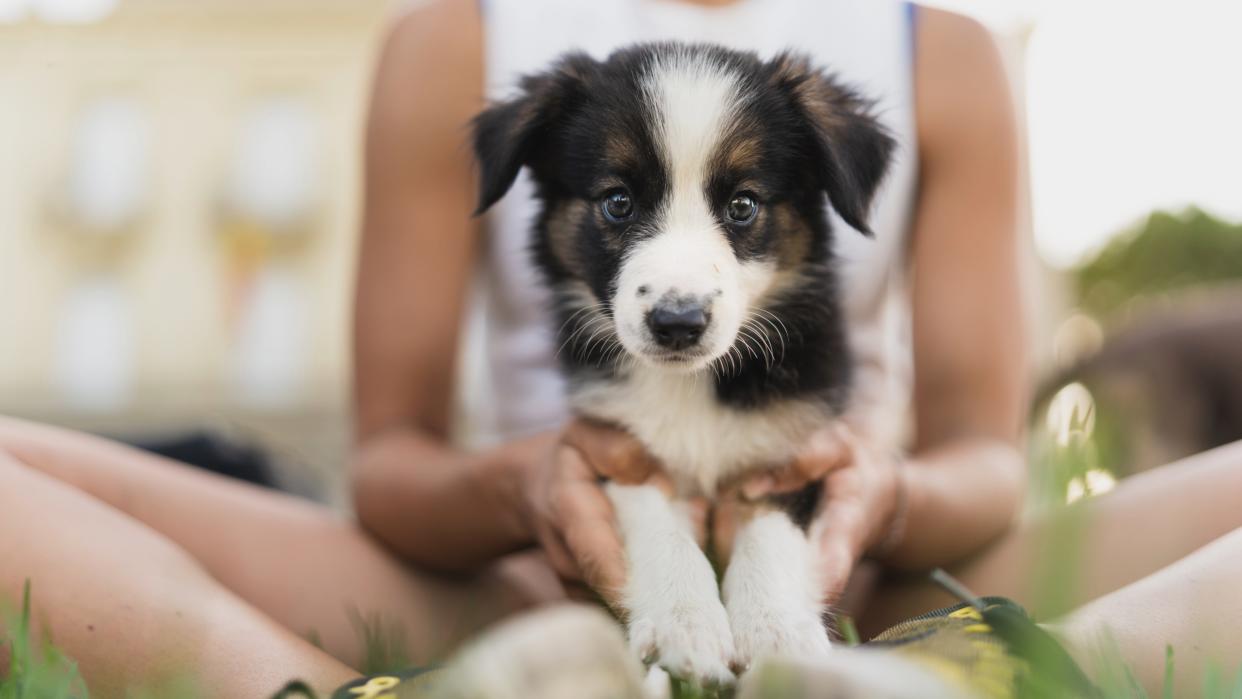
<point>761,632</point>
<point>692,642</point>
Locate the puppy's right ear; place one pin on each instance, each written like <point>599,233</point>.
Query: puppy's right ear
<point>851,147</point>
<point>510,134</point>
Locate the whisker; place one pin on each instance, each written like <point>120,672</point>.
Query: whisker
<point>598,325</point>
<point>782,331</point>
<point>760,337</point>
<point>590,325</point>
<point>741,338</point>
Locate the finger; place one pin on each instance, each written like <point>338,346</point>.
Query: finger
<point>836,563</point>
<point>758,486</point>
<point>581,592</point>
<point>610,452</point>
<point>795,476</point>
<point>697,510</point>
<point>839,517</point>
<point>601,559</point>
<point>724,528</point>
<point>836,534</point>
<point>614,454</point>
<point>798,475</point>
<point>827,450</point>
<point>559,557</point>
<point>588,527</point>
<point>591,537</point>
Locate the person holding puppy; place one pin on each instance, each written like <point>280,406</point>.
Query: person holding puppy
<point>448,539</point>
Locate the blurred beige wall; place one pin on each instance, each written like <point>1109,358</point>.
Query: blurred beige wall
<point>187,267</point>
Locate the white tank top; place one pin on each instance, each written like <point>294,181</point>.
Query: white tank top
<point>517,389</point>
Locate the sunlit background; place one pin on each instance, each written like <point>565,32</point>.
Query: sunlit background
<point>1131,106</point>
<point>179,198</point>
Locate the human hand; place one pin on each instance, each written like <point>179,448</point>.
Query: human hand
<point>569,514</point>
<point>861,509</point>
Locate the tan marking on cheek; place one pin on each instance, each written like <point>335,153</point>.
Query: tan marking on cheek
<point>563,227</point>
<point>793,237</point>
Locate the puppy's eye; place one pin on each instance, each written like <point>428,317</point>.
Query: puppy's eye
<point>742,208</point>
<point>617,205</point>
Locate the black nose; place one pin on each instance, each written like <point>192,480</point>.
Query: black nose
<point>677,328</point>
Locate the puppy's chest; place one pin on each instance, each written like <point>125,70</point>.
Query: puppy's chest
<point>701,441</point>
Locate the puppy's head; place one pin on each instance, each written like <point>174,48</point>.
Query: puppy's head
<point>682,186</point>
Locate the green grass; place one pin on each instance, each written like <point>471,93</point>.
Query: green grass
<point>36,671</point>
<point>40,671</point>
<point>1116,678</point>
<point>384,641</point>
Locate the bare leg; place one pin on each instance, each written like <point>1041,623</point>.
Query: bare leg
<point>297,562</point>
<point>1148,522</point>
<point>127,604</point>
<point>1194,605</point>
<point>671,595</point>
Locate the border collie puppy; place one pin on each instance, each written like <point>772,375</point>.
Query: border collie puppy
<point>685,238</point>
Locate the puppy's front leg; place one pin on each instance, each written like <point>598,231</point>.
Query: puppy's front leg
<point>771,591</point>
<point>671,594</point>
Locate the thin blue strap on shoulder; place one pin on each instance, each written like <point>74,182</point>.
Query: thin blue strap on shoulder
<point>912,25</point>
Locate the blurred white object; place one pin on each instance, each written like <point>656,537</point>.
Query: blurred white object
<point>109,165</point>
<point>275,169</point>
<point>1077,337</point>
<point>564,652</point>
<point>93,364</point>
<point>59,11</point>
<point>851,673</point>
<point>74,11</point>
<point>1092,483</point>
<point>1071,414</point>
<point>272,346</point>
<point>14,10</point>
<point>658,684</point>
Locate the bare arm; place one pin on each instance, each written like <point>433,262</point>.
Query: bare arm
<point>438,506</point>
<point>965,479</point>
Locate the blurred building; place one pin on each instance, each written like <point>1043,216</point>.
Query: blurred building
<point>178,205</point>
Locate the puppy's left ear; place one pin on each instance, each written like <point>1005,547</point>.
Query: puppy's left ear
<point>511,134</point>
<point>852,149</point>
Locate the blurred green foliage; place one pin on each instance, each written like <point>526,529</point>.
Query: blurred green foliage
<point>1166,253</point>
<point>1147,266</point>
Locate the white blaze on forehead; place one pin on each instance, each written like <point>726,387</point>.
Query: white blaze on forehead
<point>695,100</point>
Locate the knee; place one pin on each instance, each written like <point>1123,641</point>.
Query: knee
<point>10,466</point>
<point>15,447</point>
<point>60,454</point>
<point>9,430</point>
<point>23,441</point>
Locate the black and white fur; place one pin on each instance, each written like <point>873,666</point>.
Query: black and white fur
<point>706,320</point>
